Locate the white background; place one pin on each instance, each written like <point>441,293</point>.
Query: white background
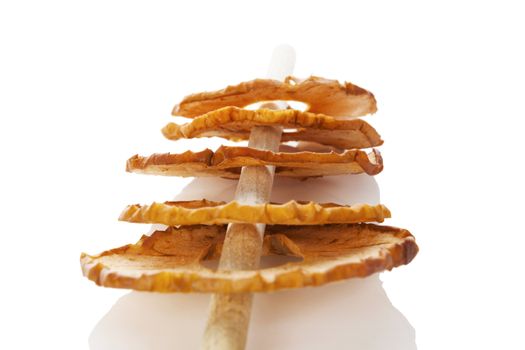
<point>85,85</point>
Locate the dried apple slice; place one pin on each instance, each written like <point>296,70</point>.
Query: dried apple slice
<point>235,124</point>
<point>171,260</point>
<point>227,161</point>
<point>290,213</point>
<point>321,95</point>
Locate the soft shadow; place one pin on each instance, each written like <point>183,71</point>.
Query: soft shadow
<point>353,314</point>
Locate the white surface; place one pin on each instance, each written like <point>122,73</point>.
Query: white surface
<point>83,86</point>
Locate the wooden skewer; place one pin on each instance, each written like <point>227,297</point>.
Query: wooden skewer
<point>229,314</point>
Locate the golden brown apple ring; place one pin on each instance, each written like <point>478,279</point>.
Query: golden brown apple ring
<point>235,124</point>
<point>290,213</point>
<point>170,261</point>
<point>227,161</point>
<point>321,95</point>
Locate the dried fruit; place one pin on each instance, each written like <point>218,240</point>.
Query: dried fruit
<point>320,94</point>
<point>291,213</point>
<point>234,124</point>
<point>227,162</point>
<point>170,261</point>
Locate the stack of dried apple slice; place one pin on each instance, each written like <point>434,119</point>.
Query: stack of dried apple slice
<point>334,241</point>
